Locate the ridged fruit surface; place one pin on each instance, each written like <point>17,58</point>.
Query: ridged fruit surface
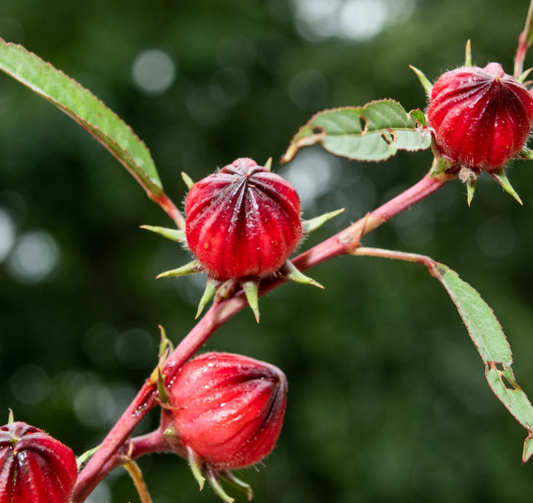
<point>481,116</point>
<point>34,467</point>
<point>243,221</point>
<point>230,408</point>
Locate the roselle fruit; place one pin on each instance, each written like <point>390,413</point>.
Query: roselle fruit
<point>228,409</point>
<point>481,116</point>
<point>34,467</point>
<point>242,222</point>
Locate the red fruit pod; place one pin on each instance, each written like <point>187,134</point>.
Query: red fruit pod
<point>34,467</point>
<point>481,116</point>
<point>242,222</point>
<point>229,408</point>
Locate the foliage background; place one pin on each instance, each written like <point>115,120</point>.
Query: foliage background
<point>387,400</point>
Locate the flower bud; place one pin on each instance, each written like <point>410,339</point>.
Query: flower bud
<point>229,409</point>
<point>481,117</point>
<point>243,221</point>
<point>34,467</point>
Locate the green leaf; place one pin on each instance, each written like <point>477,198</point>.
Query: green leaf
<point>486,333</point>
<point>87,110</point>
<point>373,132</point>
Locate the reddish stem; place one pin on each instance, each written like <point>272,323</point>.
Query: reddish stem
<point>342,243</point>
<point>523,44</point>
<point>170,209</point>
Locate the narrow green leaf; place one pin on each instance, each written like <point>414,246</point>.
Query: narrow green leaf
<point>373,132</point>
<point>172,234</point>
<point>312,225</point>
<point>87,110</point>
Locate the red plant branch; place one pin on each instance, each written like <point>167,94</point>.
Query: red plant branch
<point>108,456</point>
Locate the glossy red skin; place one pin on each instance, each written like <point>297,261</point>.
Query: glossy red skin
<point>243,221</point>
<point>481,117</point>
<point>34,467</point>
<point>231,408</point>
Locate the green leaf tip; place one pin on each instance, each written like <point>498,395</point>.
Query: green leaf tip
<point>468,53</point>
<point>215,484</point>
<point>470,189</point>
<point>251,290</point>
<point>209,292</point>
<point>10,417</point>
<point>524,75</point>
<point>419,116</point>
<point>231,479</point>
<point>501,177</point>
<point>294,274</point>
<point>190,268</point>
<point>268,164</point>
<point>172,234</point>
<point>426,84</point>
<point>528,448</point>
<point>187,179</point>
<point>195,463</point>
<point>309,226</point>
<point>82,459</point>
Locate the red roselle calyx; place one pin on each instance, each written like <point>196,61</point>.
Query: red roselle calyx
<point>228,409</point>
<point>243,221</point>
<point>481,116</point>
<point>34,467</point>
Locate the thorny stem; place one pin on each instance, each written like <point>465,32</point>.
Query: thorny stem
<point>524,43</point>
<point>345,242</point>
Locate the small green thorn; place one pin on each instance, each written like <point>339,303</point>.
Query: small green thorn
<point>440,165</point>
<point>468,54</point>
<point>524,75</point>
<point>502,179</point>
<point>251,290</point>
<point>295,275</point>
<point>187,179</point>
<point>268,164</point>
<point>230,478</point>
<point>210,290</point>
<point>470,188</point>
<point>190,268</point>
<point>217,486</point>
<point>11,417</point>
<point>309,226</point>
<point>426,84</point>
<point>172,234</point>
<point>170,432</point>
<point>195,462</point>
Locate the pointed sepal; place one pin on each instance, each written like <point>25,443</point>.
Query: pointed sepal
<point>524,75</point>
<point>470,188</point>
<point>502,179</point>
<point>251,290</point>
<point>439,166</point>
<point>190,268</point>
<point>161,388</point>
<point>165,346</point>
<point>426,84</point>
<point>268,164</point>
<point>292,273</point>
<point>82,459</point>
<point>195,463</point>
<point>187,179</point>
<point>212,478</point>
<point>172,234</point>
<point>230,478</point>
<point>209,292</point>
<point>309,226</point>
<point>525,154</point>
<point>468,54</point>
<point>10,417</point>
<point>171,433</point>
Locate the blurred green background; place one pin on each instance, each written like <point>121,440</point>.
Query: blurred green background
<point>387,401</point>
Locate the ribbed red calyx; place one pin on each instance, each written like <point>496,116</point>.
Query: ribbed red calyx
<point>481,116</point>
<point>34,467</point>
<point>230,408</point>
<point>243,221</point>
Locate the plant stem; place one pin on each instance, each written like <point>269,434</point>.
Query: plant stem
<point>170,209</point>
<point>342,243</point>
<point>524,43</point>
<point>135,473</point>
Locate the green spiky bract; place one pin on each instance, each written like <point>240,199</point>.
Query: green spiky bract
<point>195,462</point>
<point>212,478</point>
<point>210,290</point>
<point>309,226</point>
<point>187,179</point>
<point>426,84</point>
<point>190,268</point>
<point>172,234</point>
<point>251,290</point>
<point>294,274</point>
<point>502,179</point>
